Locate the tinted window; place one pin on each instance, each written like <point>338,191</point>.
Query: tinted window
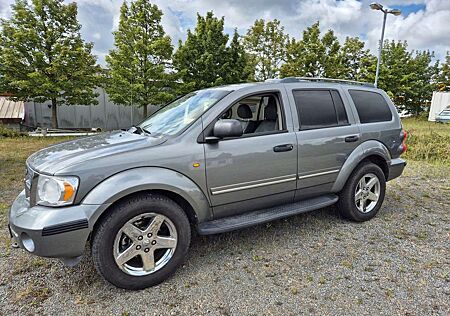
<point>315,109</point>
<point>340,110</point>
<point>371,106</point>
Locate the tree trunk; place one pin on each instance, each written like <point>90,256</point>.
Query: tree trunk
<point>54,114</point>
<point>145,111</point>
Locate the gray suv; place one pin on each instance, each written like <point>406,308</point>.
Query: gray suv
<point>213,161</point>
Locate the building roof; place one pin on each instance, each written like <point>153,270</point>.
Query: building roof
<point>11,109</point>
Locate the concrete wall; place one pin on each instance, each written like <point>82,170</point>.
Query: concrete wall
<point>105,115</point>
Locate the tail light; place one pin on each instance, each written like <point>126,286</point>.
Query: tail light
<point>403,146</point>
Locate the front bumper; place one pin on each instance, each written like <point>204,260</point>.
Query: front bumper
<point>51,232</point>
<point>396,168</point>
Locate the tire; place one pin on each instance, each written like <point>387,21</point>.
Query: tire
<point>359,210</point>
<point>127,227</point>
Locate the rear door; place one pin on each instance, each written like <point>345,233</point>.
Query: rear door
<point>326,135</point>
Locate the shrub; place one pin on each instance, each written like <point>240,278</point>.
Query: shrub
<point>7,132</point>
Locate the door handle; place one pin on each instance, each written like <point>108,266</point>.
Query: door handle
<point>352,138</point>
<point>281,148</point>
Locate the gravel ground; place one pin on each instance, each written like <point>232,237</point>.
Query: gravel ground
<point>315,263</point>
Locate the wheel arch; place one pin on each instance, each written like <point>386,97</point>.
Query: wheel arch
<point>129,183</point>
<point>372,151</point>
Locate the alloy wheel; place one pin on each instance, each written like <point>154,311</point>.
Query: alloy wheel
<point>367,193</point>
<point>145,244</point>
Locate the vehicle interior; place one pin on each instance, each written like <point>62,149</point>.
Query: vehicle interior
<point>257,114</point>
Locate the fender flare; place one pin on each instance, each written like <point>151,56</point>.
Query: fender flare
<point>364,150</point>
<point>147,178</point>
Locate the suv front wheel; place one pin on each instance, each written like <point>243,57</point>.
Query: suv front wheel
<point>141,241</point>
<point>363,194</point>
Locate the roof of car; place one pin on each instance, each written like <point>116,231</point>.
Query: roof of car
<point>298,80</point>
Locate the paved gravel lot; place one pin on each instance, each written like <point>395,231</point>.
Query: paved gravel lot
<point>315,263</point>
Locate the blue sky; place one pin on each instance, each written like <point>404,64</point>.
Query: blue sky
<point>425,24</point>
<point>410,8</point>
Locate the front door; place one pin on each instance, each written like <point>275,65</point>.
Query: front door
<point>258,169</point>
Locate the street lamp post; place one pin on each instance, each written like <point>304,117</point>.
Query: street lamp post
<point>396,12</point>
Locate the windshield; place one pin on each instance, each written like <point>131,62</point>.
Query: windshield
<point>180,113</point>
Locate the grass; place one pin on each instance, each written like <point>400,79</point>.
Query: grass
<point>427,141</point>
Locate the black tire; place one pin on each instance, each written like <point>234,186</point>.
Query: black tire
<point>347,205</point>
<point>106,231</point>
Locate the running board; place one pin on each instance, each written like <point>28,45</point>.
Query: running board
<point>227,224</point>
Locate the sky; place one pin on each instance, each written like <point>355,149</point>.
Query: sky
<point>425,24</point>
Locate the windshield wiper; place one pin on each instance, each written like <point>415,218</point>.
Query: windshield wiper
<point>139,130</point>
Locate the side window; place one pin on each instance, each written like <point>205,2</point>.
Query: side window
<point>319,108</point>
<point>257,113</point>
<point>371,106</point>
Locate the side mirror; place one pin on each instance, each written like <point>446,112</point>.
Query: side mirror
<point>226,128</point>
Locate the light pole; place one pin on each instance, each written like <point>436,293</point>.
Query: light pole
<point>396,12</point>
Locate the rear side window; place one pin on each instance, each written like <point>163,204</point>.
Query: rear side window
<point>371,106</point>
<point>319,108</point>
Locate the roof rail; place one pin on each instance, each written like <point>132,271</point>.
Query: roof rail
<point>319,79</point>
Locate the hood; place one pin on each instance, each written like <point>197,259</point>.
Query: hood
<point>57,157</point>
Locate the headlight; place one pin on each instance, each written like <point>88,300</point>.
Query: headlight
<point>56,191</point>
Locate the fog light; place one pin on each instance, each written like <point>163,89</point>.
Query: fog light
<point>27,242</point>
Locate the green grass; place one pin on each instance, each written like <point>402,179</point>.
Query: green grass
<point>427,141</point>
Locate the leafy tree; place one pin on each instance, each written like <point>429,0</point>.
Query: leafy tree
<point>43,57</point>
<point>330,61</point>
<point>202,60</point>
<point>266,43</point>
<point>313,56</point>
<point>140,64</point>
<point>355,60</point>
<point>406,76</point>
<point>239,66</point>
<point>444,75</point>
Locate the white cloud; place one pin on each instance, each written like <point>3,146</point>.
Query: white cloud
<point>424,29</point>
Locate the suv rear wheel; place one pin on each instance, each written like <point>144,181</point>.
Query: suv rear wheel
<point>363,194</point>
<point>141,242</point>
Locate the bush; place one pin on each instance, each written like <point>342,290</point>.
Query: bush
<point>7,132</point>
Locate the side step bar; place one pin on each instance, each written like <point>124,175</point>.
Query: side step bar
<point>227,224</point>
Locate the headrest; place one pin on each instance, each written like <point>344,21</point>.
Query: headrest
<point>270,111</point>
<point>244,111</point>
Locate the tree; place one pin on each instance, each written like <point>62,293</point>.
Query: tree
<point>406,76</point>
<point>444,75</point>
<point>43,57</point>
<point>266,45</point>
<point>140,64</point>
<point>422,81</point>
<point>202,60</point>
<point>313,56</point>
<point>239,67</point>
<point>355,60</point>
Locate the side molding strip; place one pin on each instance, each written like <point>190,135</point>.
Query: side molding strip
<point>318,174</point>
<point>252,184</point>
